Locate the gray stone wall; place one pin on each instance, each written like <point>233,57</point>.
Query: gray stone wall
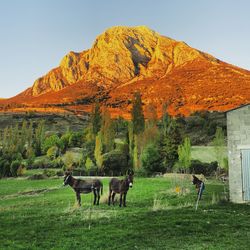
<point>238,134</point>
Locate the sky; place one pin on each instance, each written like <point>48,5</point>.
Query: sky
<point>36,34</point>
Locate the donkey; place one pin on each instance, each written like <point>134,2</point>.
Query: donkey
<point>84,186</point>
<point>121,187</point>
<point>200,186</point>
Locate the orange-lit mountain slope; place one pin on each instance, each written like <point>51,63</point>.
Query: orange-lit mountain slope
<point>123,60</point>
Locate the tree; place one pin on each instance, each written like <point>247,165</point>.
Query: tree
<point>68,160</point>
<point>138,120</point>
<point>50,142</point>
<point>52,152</point>
<point>30,155</point>
<point>184,154</point>
<point>96,119</point>
<point>39,137</point>
<point>64,141</point>
<point>219,147</point>
<point>107,131</point>
<point>169,143</point>
<point>89,165</point>
<point>151,114</point>
<point>23,137</point>
<point>76,139</point>
<point>165,117</point>
<point>30,134</point>
<point>14,167</point>
<point>115,162</point>
<point>131,143</point>
<point>99,150</point>
<point>151,160</point>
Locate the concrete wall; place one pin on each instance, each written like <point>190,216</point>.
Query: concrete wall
<point>238,134</point>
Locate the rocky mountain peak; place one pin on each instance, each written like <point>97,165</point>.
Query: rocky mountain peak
<point>119,55</point>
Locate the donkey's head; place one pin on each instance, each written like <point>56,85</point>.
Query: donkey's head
<point>196,180</point>
<point>130,177</point>
<point>67,178</point>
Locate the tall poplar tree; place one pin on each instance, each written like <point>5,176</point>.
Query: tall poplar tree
<point>107,131</point>
<point>96,119</point>
<point>137,114</point>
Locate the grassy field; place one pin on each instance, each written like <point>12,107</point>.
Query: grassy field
<point>205,153</point>
<point>42,215</point>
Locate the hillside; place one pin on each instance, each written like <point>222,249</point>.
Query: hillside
<point>123,60</point>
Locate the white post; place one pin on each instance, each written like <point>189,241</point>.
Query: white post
<point>199,196</point>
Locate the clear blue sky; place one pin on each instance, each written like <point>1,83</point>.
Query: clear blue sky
<point>36,34</point>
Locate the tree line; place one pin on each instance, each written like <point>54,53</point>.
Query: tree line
<point>108,146</point>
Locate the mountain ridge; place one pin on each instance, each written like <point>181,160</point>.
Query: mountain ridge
<point>123,60</point>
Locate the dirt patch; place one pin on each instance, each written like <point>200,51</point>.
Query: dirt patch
<point>28,193</point>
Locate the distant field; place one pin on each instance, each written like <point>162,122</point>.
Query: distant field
<point>42,215</point>
<point>205,153</point>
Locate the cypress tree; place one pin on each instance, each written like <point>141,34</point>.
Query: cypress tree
<point>96,119</point>
<point>138,120</point>
<point>107,131</point>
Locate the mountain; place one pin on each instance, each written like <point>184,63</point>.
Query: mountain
<point>123,60</point>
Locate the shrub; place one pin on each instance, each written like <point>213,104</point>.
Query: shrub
<point>4,168</point>
<point>14,167</point>
<point>41,163</point>
<point>53,152</point>
<point>57,163</point>
<point>76,139</point>
<point>37,177</point>
<point>49,142</point>
<point>115,163</point>
<point>60,172</point>
<point>207,169</point>
<point>49,172</point>
<point>151,160</point>
<point>81,171</point>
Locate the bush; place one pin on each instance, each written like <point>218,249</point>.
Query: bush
<point>53,152</point>
<point>60,172</point>
<point>57,163</point>
<point>4,168</point>
<point>151,160</point>
<point>49,172</point>
<point>41,163</point>
<point>37,177</point>
<point>49,142</point>
<point>76,139</point>
<point>207,169</point>
<point>141,172</point>
<point>14,167</point>
<point>115,163</point>
<point>81,171</point>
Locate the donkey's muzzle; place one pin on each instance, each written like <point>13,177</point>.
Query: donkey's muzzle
<point>130,185</point>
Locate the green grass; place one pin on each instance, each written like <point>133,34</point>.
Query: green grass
<point>156,217</point>
<point>204,153</point>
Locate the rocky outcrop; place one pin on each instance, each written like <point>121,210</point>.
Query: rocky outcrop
<point>123,60</point>
<point>119,55</point>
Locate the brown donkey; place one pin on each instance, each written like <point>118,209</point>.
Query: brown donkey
<point>121,187</point>
<point>84,186</point>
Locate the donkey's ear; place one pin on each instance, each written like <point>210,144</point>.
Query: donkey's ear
<point>130,172</point>
<point>68,172</point>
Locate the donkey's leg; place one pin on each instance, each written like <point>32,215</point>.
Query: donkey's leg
<point>78,197</point>
<point>110,192</point>
<point>124,199</point>
<point>113,198</point>
<point>98,196</point>
<point>94,191</point>
<point>121,194</point>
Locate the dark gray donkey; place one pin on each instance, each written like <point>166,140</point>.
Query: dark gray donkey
<point>84,186</point>
<point>121,187</point>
